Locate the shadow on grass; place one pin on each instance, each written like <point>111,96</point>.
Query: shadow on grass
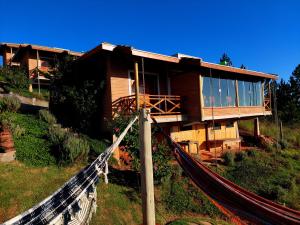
<point>129,179</point>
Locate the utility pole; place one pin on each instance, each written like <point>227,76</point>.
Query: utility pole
<point>146,168</point>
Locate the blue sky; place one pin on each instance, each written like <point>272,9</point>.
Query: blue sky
<point>264,35</point>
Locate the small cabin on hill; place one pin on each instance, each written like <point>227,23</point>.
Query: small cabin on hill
<point>197,102</point>
<point>35,59</point>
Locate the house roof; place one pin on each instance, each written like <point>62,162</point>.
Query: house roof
<point>177,58</point>
<point>39,47</point>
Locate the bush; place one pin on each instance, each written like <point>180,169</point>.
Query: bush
<point>161,162</point>
<point>240,156</point>
<point>97,146</point>
<point>181,196</point>
<point>178,199</point>
<point>9,104</point>
<point>75,148</point>
<point>32,148</point>
<point>15,77</point>
<point>161,153</point>
<point>46,116</point>
<point>283,144</point>
<point>252,153</point>
<point>228,158</point>
<point>56,134</point>
<point>272,147</point>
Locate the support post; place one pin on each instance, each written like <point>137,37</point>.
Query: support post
<point>256,127</point>
<point>137,84</point>
<point>146,168</point>
<point>37,70</point>
<point>281,131</point>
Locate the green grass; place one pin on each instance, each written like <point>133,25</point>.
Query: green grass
<point>25,184</point>
<point>273,175</point>
<point>189,221</point>
<point>291,133</point>
<point>32,147</point>
<point>43,95</point>
<point>22,187</point>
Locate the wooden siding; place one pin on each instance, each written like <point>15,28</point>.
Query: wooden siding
<point>196,134</point>
<point>119,80</point>
<point>232,112</point>
<point>223,133</point>
<point>187,86</point>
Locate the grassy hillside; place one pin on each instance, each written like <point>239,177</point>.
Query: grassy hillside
<point>272,173</point>
<point>26,182</point>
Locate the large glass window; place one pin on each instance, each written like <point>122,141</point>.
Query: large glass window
<point>218,92</point>
<point>249,93</point>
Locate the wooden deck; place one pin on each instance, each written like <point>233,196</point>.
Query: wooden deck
<point>159,105</point>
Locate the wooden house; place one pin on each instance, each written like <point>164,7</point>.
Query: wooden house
<point>35,59</point>
<point>197,102</point>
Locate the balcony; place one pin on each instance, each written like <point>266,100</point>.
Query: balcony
<point>168,106</point>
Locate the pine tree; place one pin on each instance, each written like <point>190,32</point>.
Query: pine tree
<point>288,97</point>
<point>225,60</point>
<point>243,67</point>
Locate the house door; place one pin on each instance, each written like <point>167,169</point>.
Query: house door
<point>151,84</point>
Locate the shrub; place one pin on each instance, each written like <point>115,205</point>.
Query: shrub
<point>97,146</point>
<point>297,142</point>
<point>15,77</point>
<point>283,144</point>
<point>228,158</point>
<point>46,116</point>
<point>161,164</point>
<point>75,148</point>
<point>32,148</point>
<point>272,147</point>
<point>181,196</point>
<point>17,130</point>
<point>252,153</point>
<point>56,134</point>
<point>240,156</point>
<point>177,199</point>
<point>161,153</point>
<point>9,104</point>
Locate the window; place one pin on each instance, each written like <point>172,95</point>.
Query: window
<point>250,93</point>
<point>229,124</point>
<point>219,92</point>
<point>183,128</point>
<point>216,126</point>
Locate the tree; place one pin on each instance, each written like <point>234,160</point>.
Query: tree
<point>288,97</point>
<point>295,85</point>
<point>225,60</point>
<point>243,67</point>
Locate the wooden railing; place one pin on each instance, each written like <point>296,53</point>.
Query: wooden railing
<point>267,104</point>
<point>157,104</point>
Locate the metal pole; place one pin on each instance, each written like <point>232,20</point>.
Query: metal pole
<point>146,168</point>
<point>137,84</point>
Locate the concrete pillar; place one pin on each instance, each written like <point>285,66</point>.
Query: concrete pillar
<point>146,168</point>
<point>256,127</point>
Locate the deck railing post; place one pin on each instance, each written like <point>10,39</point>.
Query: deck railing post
<point>137,83</point>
